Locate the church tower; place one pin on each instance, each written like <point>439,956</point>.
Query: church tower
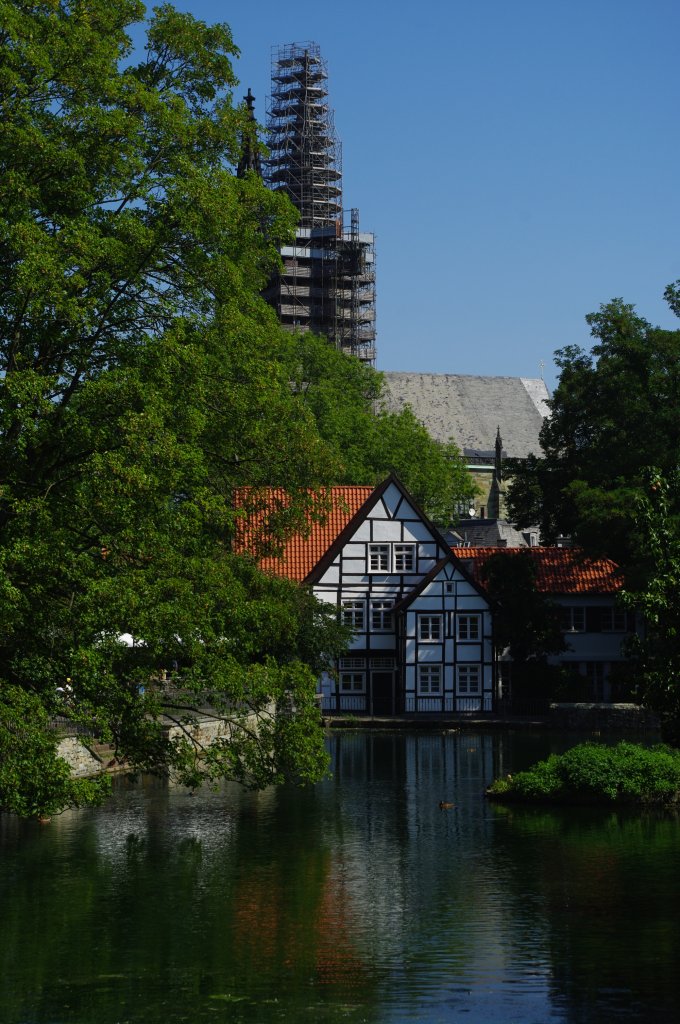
<point>327,283</point>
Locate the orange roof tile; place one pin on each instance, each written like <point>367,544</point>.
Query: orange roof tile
<point>558,570</point>
<point>301,550</point>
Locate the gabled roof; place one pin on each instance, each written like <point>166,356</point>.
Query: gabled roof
<point>375,494</point>
<point>301,551</point>
<point>305,556</point>
<point>558,570</point>
<point>450,559</point>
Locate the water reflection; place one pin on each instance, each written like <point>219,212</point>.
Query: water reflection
<point>359,900</point>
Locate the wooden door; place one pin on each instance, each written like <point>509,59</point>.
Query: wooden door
<point>382,693</point>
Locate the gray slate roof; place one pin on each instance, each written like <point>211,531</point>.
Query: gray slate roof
<point>470,409</point>
<point>490,533</point>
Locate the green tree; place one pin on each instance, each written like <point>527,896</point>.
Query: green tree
<point>346,399</point>
<point>613,414</point>
<point>526,622</point>
<point>141,383</point>
<point>657,653</point>
<point>34,780</point>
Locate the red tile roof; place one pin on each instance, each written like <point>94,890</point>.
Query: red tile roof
<point>301,551</point>
<point>558,570</point>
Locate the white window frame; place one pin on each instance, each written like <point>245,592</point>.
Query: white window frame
<point>352,682</point>
<point>430,680</point>
<point>404,557</point>
<point>464,622</point>
<point>573,618</point>
<point>378,557</point>
<point>381,618</point>
<point>346,664</point>
<point>353,614</point>
<point>469,680</point>
<point>425,631</point>
<point>382,664</point>
<point>612,615</point>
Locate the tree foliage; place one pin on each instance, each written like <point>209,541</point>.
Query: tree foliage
<point>34,780</point>
<point>593,773</point>
<point>142,381</point>
<point>346,399</point>
<point>613,414</point>
<point>657,653</point>
<point>526,623</point>
<point>140,385</point>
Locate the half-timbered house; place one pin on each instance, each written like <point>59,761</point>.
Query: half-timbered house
<point>421,626</point>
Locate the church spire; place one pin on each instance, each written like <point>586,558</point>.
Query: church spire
<point>250,156</point>
<point>499,455</point>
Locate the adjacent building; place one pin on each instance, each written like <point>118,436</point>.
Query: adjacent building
<point>596,628</point>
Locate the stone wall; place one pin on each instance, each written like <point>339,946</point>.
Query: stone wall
<point>81,759</point>
<point>603,717</point>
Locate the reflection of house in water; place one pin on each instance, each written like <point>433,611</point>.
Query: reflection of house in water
<point>388,853</point>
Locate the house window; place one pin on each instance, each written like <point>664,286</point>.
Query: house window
<point>469,679</point>
<point>404,557</point>
<point>613,620</point>
<point>469,627</point>
<point>352,682</point>
<point>352,663</point>
<point>429,679</point>
<point>573,619</point>
<point>378,557</point>
<point>429,627</point>
<point>382,664</point>
<point>353,614</point>
<point>449,588</point>
<point>381,616</point>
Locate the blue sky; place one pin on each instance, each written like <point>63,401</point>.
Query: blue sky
<point>518,162</point>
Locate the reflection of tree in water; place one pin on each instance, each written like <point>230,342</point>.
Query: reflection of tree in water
<point>347,902</point>
<point>604,885</point>
<point>135,912</point>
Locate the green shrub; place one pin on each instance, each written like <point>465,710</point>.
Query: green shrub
<point>595,773</point>
<point>541,782</point>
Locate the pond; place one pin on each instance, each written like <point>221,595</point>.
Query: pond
<point>357,901</point>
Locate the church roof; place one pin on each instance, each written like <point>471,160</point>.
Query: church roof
<point>558,570</point>
<point>470,409</point>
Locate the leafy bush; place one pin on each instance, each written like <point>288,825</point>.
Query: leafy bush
<point>594,773</point>
<point>34,780</point>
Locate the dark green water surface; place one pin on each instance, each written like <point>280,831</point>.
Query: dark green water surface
<point>359,900</point>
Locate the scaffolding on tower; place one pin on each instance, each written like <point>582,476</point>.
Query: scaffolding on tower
<point>327,282</point>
